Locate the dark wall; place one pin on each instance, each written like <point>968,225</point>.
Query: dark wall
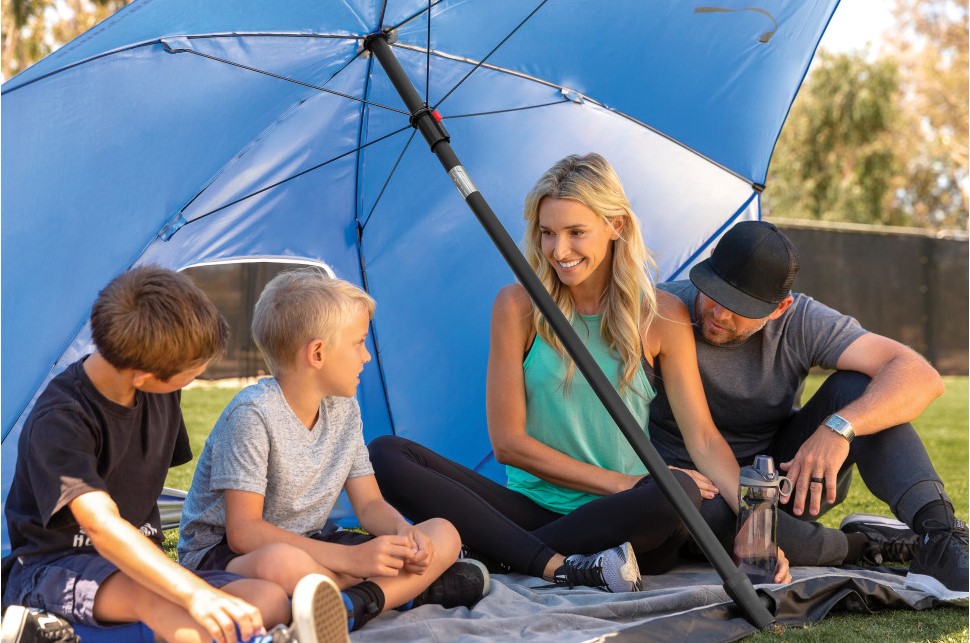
<point>234,289</point>
<point>907,285</point>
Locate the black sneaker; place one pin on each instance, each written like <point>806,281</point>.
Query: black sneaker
<point>493,566</point>
<point>940,565</point>
<point>461,585</point>
<point>23,625</point>
<point>319,611</point>
<point>612,570</point>
<point>890,540</point>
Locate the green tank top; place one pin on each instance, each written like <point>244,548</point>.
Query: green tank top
<point>574,421</point>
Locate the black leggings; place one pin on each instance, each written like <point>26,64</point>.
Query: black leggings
<point>509,528</point>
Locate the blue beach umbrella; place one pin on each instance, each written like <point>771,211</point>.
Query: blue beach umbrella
<point>184,133</point>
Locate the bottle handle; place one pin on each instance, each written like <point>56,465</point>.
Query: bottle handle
<point>781,486</point>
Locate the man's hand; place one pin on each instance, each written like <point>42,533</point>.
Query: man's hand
<point>820,457</point>
<point>782,571</point>
<point>422,549</point>
<point>220,613</point>
<point>704,484</point>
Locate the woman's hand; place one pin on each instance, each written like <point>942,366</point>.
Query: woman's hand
<point>704,484</point>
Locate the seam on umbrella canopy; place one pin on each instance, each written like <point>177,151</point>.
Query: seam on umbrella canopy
<point>294,80</point>
<point>155,41</point>
<point>489,54</point>
<point>524,76</point>
<point>287,179</point>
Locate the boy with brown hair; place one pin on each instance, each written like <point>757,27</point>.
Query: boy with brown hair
<point>275,463</point>
<point>83,521</point>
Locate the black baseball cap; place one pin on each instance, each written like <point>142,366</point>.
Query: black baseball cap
<point>750,270</point>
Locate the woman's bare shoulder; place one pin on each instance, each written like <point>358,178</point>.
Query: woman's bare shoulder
<point>513,300</point>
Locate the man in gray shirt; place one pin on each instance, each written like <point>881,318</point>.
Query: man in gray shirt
<point>756,342</point>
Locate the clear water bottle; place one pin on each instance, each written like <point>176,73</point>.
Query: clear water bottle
<point>756,545</point>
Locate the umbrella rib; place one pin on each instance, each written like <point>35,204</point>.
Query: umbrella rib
<point>297,82</point>
<point>488,55</point>
<point>388,180</point>
<point>510,109</point>
<point>427,60</point>
<point>289,178</point>
<point>416,15</point>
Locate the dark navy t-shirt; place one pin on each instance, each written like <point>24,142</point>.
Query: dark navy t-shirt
<point>76,441</point>
<point>752,388</point>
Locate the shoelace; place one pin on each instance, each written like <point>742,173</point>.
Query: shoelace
<point>898,549</point>
<point>588,573</point>
<point>956,530</point>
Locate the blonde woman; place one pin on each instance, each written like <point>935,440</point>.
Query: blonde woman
<point>579,507</point>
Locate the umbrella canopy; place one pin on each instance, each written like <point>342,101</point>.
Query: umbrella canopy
<point>181,133</point>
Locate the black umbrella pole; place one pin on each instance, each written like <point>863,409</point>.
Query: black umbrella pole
<point>428,122</point>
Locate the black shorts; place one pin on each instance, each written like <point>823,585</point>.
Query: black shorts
<point>220,554</point>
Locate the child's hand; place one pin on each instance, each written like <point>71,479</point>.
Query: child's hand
<point>382,556</point>
<point>220,613</point>
<point>422,548</point>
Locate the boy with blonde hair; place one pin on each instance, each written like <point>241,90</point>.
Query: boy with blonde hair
<point>273,467</point>
<point>82,510</point>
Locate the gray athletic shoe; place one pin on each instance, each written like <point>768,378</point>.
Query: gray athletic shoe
<point>890,540</point>
<point>319,611</point>
<point>613,570</point>
<point>940,565</point>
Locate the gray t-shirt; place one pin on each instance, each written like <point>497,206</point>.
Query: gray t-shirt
<point>259,445</point>
<point>752,387</point>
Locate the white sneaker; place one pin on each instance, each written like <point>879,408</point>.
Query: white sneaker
<point>319,611</point>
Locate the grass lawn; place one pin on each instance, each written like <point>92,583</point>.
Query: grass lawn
<point>943,428</point>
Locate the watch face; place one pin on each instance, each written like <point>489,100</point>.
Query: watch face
<point>841,426</point>
<point>836,422</point>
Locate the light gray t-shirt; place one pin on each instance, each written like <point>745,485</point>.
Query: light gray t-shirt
<point>259,445</point>
<point>752,388</point>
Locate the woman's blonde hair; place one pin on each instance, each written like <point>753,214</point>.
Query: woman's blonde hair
<point>591,181</point>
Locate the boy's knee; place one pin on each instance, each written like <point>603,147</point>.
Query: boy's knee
<point>281,563</point>
<point>446,538</point>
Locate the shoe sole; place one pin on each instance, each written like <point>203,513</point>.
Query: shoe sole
<point>319,615</point>
<point>13,624</point>
<point>873,519</point>
<point>487,587</point>
<point>935,588</point>
<point>630,571</point>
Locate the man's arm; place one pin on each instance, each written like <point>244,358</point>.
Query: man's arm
<point>141,560</point>
<point>903,385</point>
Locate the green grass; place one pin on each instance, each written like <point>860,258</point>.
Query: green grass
<point>943,429</point>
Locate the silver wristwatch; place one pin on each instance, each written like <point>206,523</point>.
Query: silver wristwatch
<point>840,425</point>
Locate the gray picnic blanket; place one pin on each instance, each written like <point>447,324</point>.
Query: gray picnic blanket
<point>688,603</point>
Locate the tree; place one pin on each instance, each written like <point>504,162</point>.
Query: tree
<point>31,29</point>
<point>933,63</point>
<point>836,157</point>
<point>882,139</point>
